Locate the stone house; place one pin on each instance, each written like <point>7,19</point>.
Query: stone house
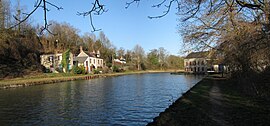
<point>203,62</point>
<point>196,62</point>
<point>90,61</point>
<point>54,61</point>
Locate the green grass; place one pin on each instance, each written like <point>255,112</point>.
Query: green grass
<point>39,79</point>
<point>45,78</point>
<point>197,107</point>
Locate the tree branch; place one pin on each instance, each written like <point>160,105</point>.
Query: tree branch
<point>58,8</point>
<point>196,9</point>
<point>166,11</point>
<point>131,2</point>
<point>97,9</point>
<point>248,5</point>
<point>158,5</point>
<point>45,9</point>
<point>27,16</point>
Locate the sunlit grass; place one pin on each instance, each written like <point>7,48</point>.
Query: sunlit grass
<point>57,77</point>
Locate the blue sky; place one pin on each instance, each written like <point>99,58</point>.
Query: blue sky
<point>124,27</point>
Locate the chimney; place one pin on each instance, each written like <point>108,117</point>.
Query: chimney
<point>98,54</point>
<point>81,50</point>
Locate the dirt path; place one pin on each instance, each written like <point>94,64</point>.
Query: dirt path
<point>217,108</point>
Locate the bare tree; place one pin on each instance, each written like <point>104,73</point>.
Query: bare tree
<point>39,4</point>
<point>162,55</point>
<point>97,8</point>
<point>138,56</point>
<point>5,13</point>
<point>65,37</point>
<point>121,52</point>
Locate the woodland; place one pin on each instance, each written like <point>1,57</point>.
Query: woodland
<point>237,31</point>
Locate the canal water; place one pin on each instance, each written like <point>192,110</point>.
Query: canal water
<point>123,100</point>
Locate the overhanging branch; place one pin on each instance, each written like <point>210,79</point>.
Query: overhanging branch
<point>97,9</point>
<point>40,4</point>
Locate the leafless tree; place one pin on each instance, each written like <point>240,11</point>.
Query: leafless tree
<point>97,8</point>
<point>43,4</point>
<point>138,56</point>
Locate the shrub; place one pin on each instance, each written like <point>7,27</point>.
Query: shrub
<point>60,70</point>
<point>116,69</point>
<point>78,69</point>
<point>96,71</point>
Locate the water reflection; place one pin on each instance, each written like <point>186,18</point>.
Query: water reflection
<point>124,100</point>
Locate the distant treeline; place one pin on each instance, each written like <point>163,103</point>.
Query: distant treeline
<point>21,47</point>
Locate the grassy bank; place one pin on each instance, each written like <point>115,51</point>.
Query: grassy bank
<point>215,101</point>
<point>47,78</point>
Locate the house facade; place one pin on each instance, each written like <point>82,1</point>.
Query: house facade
<point>196,62</point>
<point>54,61</point>
<point>203,62</point>
<point>90,61</point>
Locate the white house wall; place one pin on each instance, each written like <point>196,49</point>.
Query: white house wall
<point>97,62</point>
<point>87,64</point>
<point>82,54</point>
<point>199,67</point>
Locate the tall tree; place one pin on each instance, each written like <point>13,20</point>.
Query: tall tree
<point>88,41</point>
<point>138,56</point>
<point>175,62</point>
<point>162,57</point>
<point>128,56</point>
<point>153,59</point>
<point>65,37</point>
<point>120,52</point>
<point>107,50</point>
<point>5,14</point>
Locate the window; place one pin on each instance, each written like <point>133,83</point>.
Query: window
<point>90,60</point>
<point>190,63</point>
<point>198,69</point>
<point>94,61</point>
<point>202,68</point>
<point>98,61</point>
<point>51,58</point>
<point>202,63</point>
<point>186,63</point>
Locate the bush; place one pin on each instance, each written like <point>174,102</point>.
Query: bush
<point>117,69</point>
<point>60,70</point>
<point>109,65</point>
<point>46,70</point>
<point>96,71</point>
<point>78,69</point>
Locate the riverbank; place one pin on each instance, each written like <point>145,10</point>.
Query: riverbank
<point>49,78</point>
<point>215,101</point>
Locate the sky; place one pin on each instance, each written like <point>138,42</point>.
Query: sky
<point>124,27</point>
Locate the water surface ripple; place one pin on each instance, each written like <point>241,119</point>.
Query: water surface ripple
<point>124,100</point>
